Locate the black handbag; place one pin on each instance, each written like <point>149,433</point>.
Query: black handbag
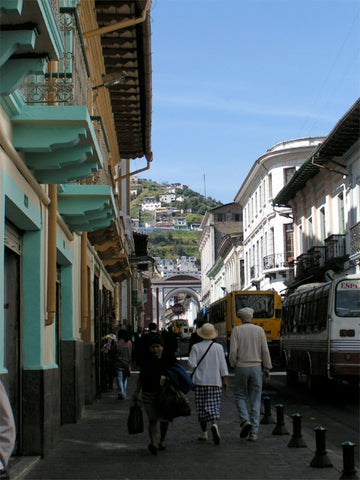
<point>135,421</point>
<point>172,402</point>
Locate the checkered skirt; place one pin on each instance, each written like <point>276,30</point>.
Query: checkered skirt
<point>207,401</point>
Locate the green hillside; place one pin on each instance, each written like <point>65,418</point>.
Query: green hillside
<point>174,243</point>
<point>171,243</point>
<point>194,205</point>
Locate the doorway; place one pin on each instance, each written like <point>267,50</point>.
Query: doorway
<point>13,361</point>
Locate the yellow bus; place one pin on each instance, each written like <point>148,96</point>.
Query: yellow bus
<point>267,314</point>
<point>178,325</point>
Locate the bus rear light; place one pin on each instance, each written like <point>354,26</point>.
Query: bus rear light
<point>347,333</point>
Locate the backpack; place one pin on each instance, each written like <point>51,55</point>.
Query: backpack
<point>122,357</point>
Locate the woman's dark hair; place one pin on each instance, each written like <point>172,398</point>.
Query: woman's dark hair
<point>123,334</point>
<point>155,339</point>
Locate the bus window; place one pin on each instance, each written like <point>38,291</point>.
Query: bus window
<point>262,304</point>
<point>310,314</point>
<point>347,300</point>
<point>323,307</point>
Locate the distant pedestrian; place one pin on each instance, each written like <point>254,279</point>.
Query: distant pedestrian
<point>107,355</point>
<point>7,432</point>
<point>171,339</point>
<point>249,354</point>
<point>153,369</point>
<point>122,355</point>
<point>210,374</point>
<point>194,337</point>
<point>142,346</point>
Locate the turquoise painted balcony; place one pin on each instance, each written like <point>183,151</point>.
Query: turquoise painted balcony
<point>59,142</point>
<point>86,208</point>
<point>39,16</point>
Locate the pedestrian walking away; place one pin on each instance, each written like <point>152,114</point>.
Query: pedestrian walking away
<point>7,432</point>
<point>210,375</point>
<point>249,354</point>
<point>153,368</point>
<point>142,345</point>
<point>123,348</point>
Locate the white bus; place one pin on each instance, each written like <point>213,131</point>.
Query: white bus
<point>320,331</point>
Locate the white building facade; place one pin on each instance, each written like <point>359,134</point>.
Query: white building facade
<point>268,248</point>
<point>325,200</point>
<point>216,225</point>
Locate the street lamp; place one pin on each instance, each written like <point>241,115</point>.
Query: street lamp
<point>111,79</point>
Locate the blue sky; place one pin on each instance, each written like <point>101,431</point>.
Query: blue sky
<point>231,78</point>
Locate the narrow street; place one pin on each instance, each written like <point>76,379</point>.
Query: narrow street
<point>99,447</point>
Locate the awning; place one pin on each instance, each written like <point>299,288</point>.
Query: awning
<point>127,51</point>
<point>343,136</point>
<point>109,246</point>
<point>59,142</point>
<point>86,208</point>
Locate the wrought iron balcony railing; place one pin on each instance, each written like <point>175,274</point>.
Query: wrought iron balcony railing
<point>355,239</point>
<point>69,84</point>
<point>276,261</point>
<point>317,256</point>
<point>335,247</point>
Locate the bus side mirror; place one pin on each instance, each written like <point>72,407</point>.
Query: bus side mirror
<point>278,312</point>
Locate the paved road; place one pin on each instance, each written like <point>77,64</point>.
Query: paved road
<point>99,448</point>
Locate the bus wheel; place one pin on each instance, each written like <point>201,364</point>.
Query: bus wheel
<point>292,377</point>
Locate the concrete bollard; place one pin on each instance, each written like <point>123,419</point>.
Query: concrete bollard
<point>321,459</point>
<point>267,418</point>
<point>349,472</point>
<point>296,440</point>
<point>280,428</point>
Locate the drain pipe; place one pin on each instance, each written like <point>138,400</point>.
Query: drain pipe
<point>117,179</point>
<point>119,25</point>
<point>51,284</point>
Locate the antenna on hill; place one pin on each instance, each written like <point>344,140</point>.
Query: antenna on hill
<point>204,186</point>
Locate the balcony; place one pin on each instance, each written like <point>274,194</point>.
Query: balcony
<point>68,85</point>
<point>317,257</point>
<point>335,247</point>
<point>276,261</point>
<point>303,264</point>
<point>355,240</point>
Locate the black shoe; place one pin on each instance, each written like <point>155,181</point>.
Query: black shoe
<point>161,447</point>
<point>152,449</point>
<point>245,428</point>
<point>215,433</point>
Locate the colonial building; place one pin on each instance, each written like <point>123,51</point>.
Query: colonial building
<point>216,224</point>
<point>324,198</point>
<point>268,231</point>
<point>75,108</point>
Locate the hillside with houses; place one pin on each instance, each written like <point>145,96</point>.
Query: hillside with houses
<point>170,215</point>
<point>167,206</point>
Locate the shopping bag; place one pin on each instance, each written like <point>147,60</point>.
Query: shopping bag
<point>135,421</point>
<point>172,402</point>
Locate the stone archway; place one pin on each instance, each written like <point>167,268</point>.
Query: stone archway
<point>165,289</point>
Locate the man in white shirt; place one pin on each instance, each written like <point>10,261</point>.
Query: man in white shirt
<point>249,354</point>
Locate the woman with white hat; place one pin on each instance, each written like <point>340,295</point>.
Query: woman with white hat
<point>210,371</point>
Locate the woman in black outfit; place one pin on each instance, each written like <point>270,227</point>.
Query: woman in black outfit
<point>152,368</point>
